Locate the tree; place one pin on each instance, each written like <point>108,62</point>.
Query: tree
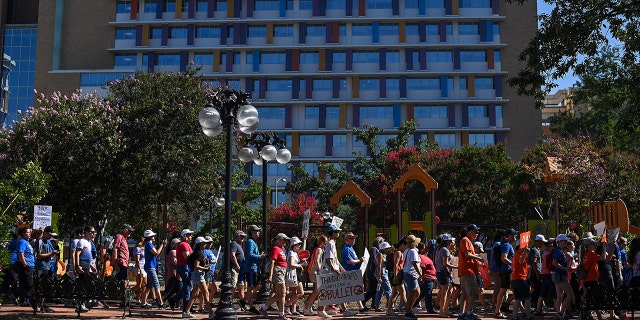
<point>571,38</point>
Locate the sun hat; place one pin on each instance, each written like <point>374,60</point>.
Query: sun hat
<point>589,241</point>
<point>413,241</point>
<point>149,233</point>
<point>295,240</point>
<point>588,235</point>
<point>385,245</point>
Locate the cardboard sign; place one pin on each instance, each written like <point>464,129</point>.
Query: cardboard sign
<point>337,221</point>
<point>524,239</point>
<point>42,216</point>
<point>599,227</point>
<point>305,224</point>
<point>334,288</point>
<point>455,279</point>
<point>365,261</point>
<point>612,235</point>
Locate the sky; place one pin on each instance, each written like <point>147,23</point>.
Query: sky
<point>569,80</point>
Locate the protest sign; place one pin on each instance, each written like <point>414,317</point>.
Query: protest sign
<point>305,223</point>
<point>524,239</point>
<point>365,261</point>
<point>41,216</point>
<point>337,221</point>
<point>334,288</point>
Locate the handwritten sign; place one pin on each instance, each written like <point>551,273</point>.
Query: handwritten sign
<point>336,288</point>
<point>599,227</point>
<point>42,216</point>
<point>337,221</point>
<point>365,261</point>
<point>305,223</point>
<point>524,239</point>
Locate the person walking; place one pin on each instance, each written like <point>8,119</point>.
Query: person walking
<point>173,280</point>
<point>253,259</point>
<point>411,270</point>
<point>141,275</point>
<point>199,266</point>
<point>467,265</point>
<point>397,289</point>
<point>295,265</point>
<point>506,261</point>
<point>427,279</point>
<point>150,265</point>
<point>277,271</point>
<point>237,267</point>
<point>519,285</point>
<point>560,277</point>
<point>183,251</point>
<point>371,281</point>
<point>120,255</point>
<point>350,260</point>
<point>382,275</point>
<point>444,273</point>
<point>24,265</point>
<point>316,260</point>
<point>44,254</point>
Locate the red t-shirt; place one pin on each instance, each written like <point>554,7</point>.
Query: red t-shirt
<point>123,250</point>
<point>466,265</point>
<point>590,263</point>
<point>428,269</point>
<point>278,255</point>
<point>519,269</point>
<point>182,247</point>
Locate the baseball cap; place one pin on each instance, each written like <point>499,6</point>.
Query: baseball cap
<point>350,235</point>
<point>253,227</point>
<point>127,226</point>
<point>447,237</point>
<point>562,237</point>
<point>149,233</point>
<point>295,240</point>
<point>588,234</point>
<point>200,240</point>
<point>50,230</point>
<point>479,245</point>
<point>333,227</point>
<point>472,227</point>
<point>208,238</point>
<point>185,232</point>
<point>385,245</point>
<point>540,238</point>
<point>510,231</point>
<point>282,236</point>
<point>240,233</point>
<point>588,241</point>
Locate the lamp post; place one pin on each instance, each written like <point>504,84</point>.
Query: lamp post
<point>218,202</point>
<point>283,180</point>
<point>270,147</point>
<point>227,109</point>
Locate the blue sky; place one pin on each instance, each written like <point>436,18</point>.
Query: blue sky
<point>569,80</point>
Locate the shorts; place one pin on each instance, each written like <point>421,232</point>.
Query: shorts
<point>197,276</point>
<point>252,278</point>
<point>410,282</point>
<point>241,276</point>
<point>234,277</point>
<point>152,278</point>
<point>278,274</point>
<point>547,288</point>
<point>123,273</point>
<point>469,284</point>
<point>558,277</point>
<point>521,289</point>
<point>505,280</point>
<point>444,277</point>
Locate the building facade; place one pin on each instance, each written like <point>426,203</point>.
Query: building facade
<point>315,68</point>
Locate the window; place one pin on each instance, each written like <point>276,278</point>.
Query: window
<point>178,32</point>
<point>273,58</point>
<point>478,111</point>
<point>279,85</point>
<point>155,33</point>
<point>267,4</point>
<point>411,4</point>
<point>435,4</point>
<point>312,140</point>
<point>221,5</point>
<point>475,4</point>
<point>481,139</point>
<point>312,112</point>
<point>333,112</point>
<point>316,30</point>
<point>257,31</point>
<point>361,29</point>
<point>376,112</point>
<point>496,55</point>
<point>439,56</point>
<point>309,58</point>
<point>150,6</point>
<point>370,84</point>
<point>336,4</point>
<point>393,56</point>
<point>378,4</point>
<point>473,56</point>
<point>430,111</point>
<point>169,5</point>
<point>339,57</point>
<point>125,60</point>
<point>208,32</point>
<point>202,58</point>
<point>411,29</point>
<point>366,57</point>
<point>483,83</point>
<point>498,111</point>
<point>423,84</point>
<point>322,85</point>
<point>125,33</point>
<point>271,112</point>
<point>284,30</point>
<point>202,6</point>
<point>393,84</point>
<point>388,29</point>
<point>496,29</point>
<point>463,83</point>
<point>445,140</point>
<point>339,140</point>
<point>165,59</point>
<point>468,28</point>
<point>306,4</point>
<point>123,6</point>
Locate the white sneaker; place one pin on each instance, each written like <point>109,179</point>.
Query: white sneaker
<point>187,315</point>
<point>323,314</point>
<point>309,312</point>
<point>349,313</point>
<point>332,311</point>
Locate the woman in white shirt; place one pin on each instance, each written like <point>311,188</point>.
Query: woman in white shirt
<point>412,272</point>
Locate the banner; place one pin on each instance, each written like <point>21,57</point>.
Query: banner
<point>336,288</point>
<point>42,216</point>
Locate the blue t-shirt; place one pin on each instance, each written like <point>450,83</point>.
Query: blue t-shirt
<point>151,260</point>
<point>43,247</point>
<point>349,254</point>
<point>558,255</point>
<point>252,256</point>
<point>25,247</point>
<point>506,247</point>
<point>208,253</point>
<point>495,249</point>
<point>13,254</point>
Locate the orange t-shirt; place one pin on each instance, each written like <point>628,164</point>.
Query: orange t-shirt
<point>591,265</point>
<point>466,265</point>
<point>519,269</point>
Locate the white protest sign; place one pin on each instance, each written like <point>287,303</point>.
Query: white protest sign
<point>455,279</point>
<point>612,235</point>
<point>599,228</point>
<point>42,216</point>
<point>336,288</point>
<point>337,221</point>
<point>365,261</point>
<point>305,223</point>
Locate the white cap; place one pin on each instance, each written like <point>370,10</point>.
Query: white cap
<point>201,239</point>
<point>185,232</point>
<point>385,245</point>
<point>295,240</point>
<point>479,245</point>
<point>149,233</point>
<point>541,238</point>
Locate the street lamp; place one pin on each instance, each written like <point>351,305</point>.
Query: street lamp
<point>271,147</point>
<point>283,180</point>
<point>227,109</point>
<point>218,202</point>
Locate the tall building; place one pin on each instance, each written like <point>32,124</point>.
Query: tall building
<point>315,68</point>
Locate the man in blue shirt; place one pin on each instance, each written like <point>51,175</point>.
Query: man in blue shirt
<point>45,254</point>
<point>506,259</point>
<point>350,260</point>
<point>252,261</point>
<point>25,263</point>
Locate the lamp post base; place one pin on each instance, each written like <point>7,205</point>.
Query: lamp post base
<point>225,306</point>
<point>263,295</point>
